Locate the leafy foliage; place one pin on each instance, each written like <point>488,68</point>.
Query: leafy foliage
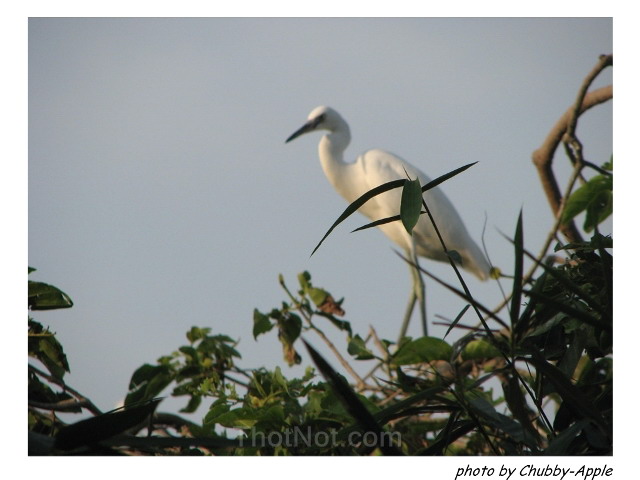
<point>540,383</point>
<point>595,198</point>
<point>481,394</point>
<point>430,397</point>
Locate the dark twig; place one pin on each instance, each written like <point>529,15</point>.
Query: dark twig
<point>82,400</point>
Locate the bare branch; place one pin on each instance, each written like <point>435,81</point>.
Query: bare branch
<point>564,130</point>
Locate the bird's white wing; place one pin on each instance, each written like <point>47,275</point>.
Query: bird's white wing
<point>376,167</point>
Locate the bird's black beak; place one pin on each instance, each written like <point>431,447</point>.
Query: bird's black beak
<point>307,127</point>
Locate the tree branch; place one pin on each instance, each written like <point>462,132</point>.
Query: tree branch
<point>564,130</point>
<point>82,400</point>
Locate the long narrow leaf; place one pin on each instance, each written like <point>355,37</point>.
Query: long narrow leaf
<point>569,310</point>
<point>382,221</point>
<point>95,429</point>
<point>446,176</point>
<point>457,319</point>
<point>568,284</point>
<point>391,412</point>
<point>356,204</point>
<point>516,296</point>
<point>572,396</point>
<point>426,187</point>
<point>172,442</point>
<point>350,400</point>
<point>447,437</point>
<point>385,187</point>
<point>377,223</point>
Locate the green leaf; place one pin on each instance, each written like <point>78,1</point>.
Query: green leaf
<point>317,295</point>
<point>355,205</point>
<point>446,176</point>
<point>457,319</point>
<point>358,349</point>
<point>147,382</point>
<point>573,398</point>
<point>279,379</point>
<point>47,297</point>
<point>216,410</point>
<point>449,434</point>
<point>237,418</point>
<point>304,279</point>
<point>517,403</point>
<point>569,310</point>
<point>44,346</point>
<point>560,445</point>
<point>479,350</point>
<point>197,333</point>
<point>290,327</point>
<point>411,204</point>
<point>261,323</point>
<point>102,427</point>
<point>192,406</point>
<point>595,197</point>
<point>508,425</point>
<point>428,186</point>
<point>423,349</point>
<point>350,400</point>
<point>516,296</point>
<point>340,324</point>
<point>599,209</point>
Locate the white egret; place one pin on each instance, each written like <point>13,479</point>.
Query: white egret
<point>375,167</point>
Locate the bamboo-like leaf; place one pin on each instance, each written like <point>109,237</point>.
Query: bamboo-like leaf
<point>350,400</point>
<point>516,296</point>
<point>385,187</point>
<point>569,310</point>
<point>410,204</point>
<point>502,422</point>
<point>446,176</point>
<point>93,430</point>
<point>356,204</point>
<point>426,187</point>
<point>457,319</point>
<point>392,411</point>
<point>572,396</point>
<point>451,432</point>
<point>560,445</point>
<point>568,284</point>
<point>382,221</point>
<point>173,442</point>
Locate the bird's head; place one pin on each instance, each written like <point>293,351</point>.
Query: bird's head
<point>320,118</point>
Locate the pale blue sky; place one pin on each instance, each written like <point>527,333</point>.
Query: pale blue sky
<point>162,195</point>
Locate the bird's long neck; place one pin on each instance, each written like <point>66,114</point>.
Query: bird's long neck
<point>331,151</point>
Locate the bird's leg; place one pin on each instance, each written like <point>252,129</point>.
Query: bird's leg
<point>420,295</point>
<point>407,314</point>
<point>417,294</point>
<point>418,286</point>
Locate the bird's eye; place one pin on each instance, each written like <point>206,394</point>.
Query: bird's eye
<point>319,119</point>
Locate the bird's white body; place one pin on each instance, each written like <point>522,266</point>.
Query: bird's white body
<point>375,167</point>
